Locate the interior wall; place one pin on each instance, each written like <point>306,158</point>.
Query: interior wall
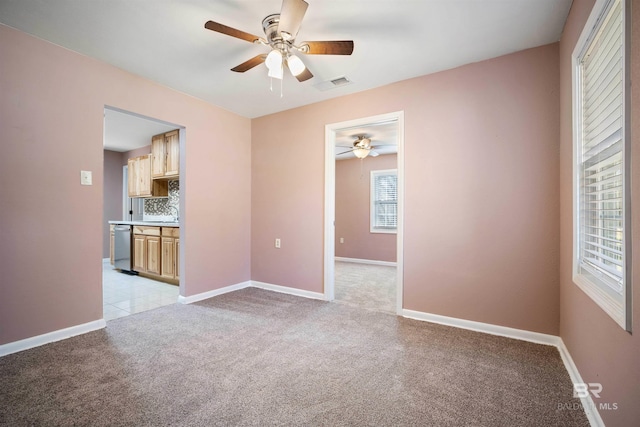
<point>125,156</point>
<point>353,195</point>
<point>481,189</point>
<point>602,351</point>
<point>52,119</point>
<point>112,195</point>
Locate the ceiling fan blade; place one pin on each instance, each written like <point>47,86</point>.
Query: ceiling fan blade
<point>344,152</point>
<point>291,16</point>
<point>338,47</point>
<point>247,65</point>
<point>373,153</point>
<point>304,76</point>
<point>220,28</point>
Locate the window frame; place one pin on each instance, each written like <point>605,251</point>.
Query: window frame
<point>372,201</point>
<point>618,307</point>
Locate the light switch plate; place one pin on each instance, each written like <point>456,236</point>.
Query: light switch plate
<point>86,178</point>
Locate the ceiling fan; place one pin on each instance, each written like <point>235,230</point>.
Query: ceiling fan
<point>281,30</point>
<point>361,147</point>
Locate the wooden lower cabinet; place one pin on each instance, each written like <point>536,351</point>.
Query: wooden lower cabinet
<point>177,258</point>
<point>139,253</point>
<point>155,252</point>
<point>112,244</point>
<point>168,257</point>
<point>170,251</point>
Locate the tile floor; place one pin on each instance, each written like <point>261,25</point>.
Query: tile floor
<point>123,295</point>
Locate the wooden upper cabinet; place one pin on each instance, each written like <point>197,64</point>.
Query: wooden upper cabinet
<point>144,175</point>
<point>132,185</point>
<point>172,144</point>
<point>140,183</point>
<point>165,151</point>
<point>158,156</point>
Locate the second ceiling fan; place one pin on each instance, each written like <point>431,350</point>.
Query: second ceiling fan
<point>281,30</point>
<point>362,147</point>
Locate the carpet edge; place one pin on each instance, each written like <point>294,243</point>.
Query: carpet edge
<point>49,337</point>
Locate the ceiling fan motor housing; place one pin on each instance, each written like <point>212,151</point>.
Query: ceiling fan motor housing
<point>270,27</point>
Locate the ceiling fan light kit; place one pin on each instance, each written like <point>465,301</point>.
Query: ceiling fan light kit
<point>295,64</point>
<point>274,64</point>
<point>280,31</point>
<point>361,153</point>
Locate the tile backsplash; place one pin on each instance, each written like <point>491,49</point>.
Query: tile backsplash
<point>165,206</point>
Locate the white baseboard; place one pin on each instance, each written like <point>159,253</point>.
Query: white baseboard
<point>287,290</point>
<point>210,294</point>
<point>487,328</point>
<point>250,283</point>
<point>25,344</point>
<point>589,406</point>
<point>367,261</point>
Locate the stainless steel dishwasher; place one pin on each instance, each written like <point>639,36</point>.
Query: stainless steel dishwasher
<point>122,247</point>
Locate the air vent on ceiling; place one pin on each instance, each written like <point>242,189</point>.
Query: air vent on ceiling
<point>333,83</point>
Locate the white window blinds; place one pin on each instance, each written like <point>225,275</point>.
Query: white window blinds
<point>600,160</point>
<point>601,204</point>
<point>384,200</point>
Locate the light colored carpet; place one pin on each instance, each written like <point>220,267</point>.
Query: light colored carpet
<point>372,287</point>
<point>257,358</point>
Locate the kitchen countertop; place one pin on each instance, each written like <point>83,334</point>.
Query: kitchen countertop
<point>148,223</point>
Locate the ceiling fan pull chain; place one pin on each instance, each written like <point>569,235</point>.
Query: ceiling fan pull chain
<point>281,80</point>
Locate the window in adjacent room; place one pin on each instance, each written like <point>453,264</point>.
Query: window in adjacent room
<point>384,201</point>
<point>602,243</point>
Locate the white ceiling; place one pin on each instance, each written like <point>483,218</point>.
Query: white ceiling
<point>165,40</point>
<point>125,131</point>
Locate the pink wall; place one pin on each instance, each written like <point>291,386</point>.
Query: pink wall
<point>112,195</point>
<point>51,116</point>
<point>353,178</point>
<point>481,213</point>
<point>602,351</point>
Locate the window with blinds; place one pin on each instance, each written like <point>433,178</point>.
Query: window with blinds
<point>600,160</point>
<point>384,201</point>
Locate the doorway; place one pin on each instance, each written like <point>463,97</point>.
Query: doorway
<point>128,135</point>
<point>333,134</point>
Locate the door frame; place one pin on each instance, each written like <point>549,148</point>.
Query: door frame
<point>330,201</point>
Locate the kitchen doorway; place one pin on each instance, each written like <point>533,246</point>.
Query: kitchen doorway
<point>335,268</point>
<point>128,135</point>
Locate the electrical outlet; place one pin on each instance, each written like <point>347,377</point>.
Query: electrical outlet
<point>278,243</point>
<point>342,240</point>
